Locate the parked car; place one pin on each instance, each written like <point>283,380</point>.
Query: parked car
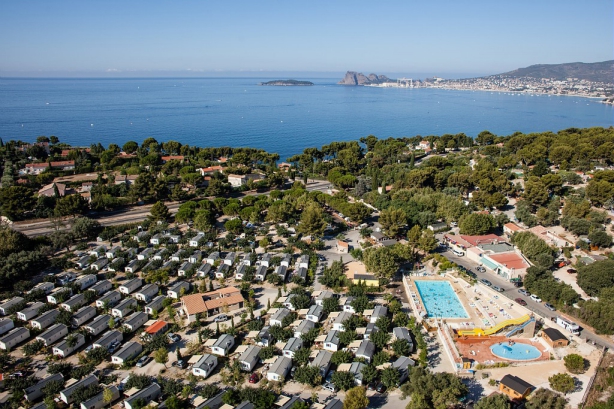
<point>292,371</point>
<point>330,387</point>
<point>173,337</point>
<point>480,269</point>
<point>372,386</point>
<point>486,282</point>
<point>144,360</point>
<point>550,307</point>
<point>535,298</point>
<point>571,271</point>
<point>496,288</point>
<point>254,378</point>
<point>521,301</point>
<point>472,274</point>
<point>113,346</point>
<point>221,318</point>
<point>381,388</point>
<point>524,292</point>
<point>181,364</point>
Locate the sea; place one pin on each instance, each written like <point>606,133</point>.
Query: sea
<point>238,112</point>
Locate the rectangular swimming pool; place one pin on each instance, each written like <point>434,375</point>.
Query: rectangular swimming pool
<point>440,300</point>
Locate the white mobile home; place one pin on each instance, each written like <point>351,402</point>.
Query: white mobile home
<point>229,260</point>
<point>52,334</point>
<point>108,338</point>
<point>279,369</point>
<point>99,264</point>
<point>45,286</point>
<point>135,321</point>
<point>98,251</point>
<point>124,308</point>
<point>59,294</point>
<point>331,342</point>
<point>223,345</point>
<point>240,272</point>
<point>205,365</point>
<point>249,358</point>
<point>293,345</point>
<point>174,291</point>
<point>30,312</point>
<point>68,346</point>
<point>213,257</point>
<point>127,352</point>
<point>14,337</point>
<point>6,306</point>
<point>99,324</point>
<point>82,316</point>
<point>73,303</point>
<point>278,317</point>
<point>98,401</point>
<point>130,286</point>
<point>341,318</point>
<point>46,319</point>
<point>184,268</point>
<point>102,287</point>
<point>133,266</point>
<point>196,239</point>
<point>66,394</point>
<point>111,298</point>
<point>260,273</point>
<point>6,324</point>
<point>144,395</point>
<point>86,281</point>
<point>155,305</point>
<point>35,391</point>
<point>147,293</point>
<point>203,270</point>
<point>322,361</point>
<point>315,313</point>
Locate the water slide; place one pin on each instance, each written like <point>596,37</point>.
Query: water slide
<point>493,330</point>
<point>519,327</point>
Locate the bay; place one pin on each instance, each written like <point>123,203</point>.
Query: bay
<point>238,112</point>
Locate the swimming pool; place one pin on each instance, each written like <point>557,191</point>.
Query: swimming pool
<point>440,300</point>
<point>515,352</point>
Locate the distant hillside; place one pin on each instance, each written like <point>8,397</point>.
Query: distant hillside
<point>358,78</point>
<point>596,71</point>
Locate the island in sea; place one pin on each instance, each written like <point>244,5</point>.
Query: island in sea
<point>287,83</point>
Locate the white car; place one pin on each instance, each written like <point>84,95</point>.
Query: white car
<point>535,298</point>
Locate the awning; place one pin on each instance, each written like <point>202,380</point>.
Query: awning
<point>241,348</point>
<point>489,264</point>
<point>193,359</point>
<point>210,342</point>
<point>320,338</point>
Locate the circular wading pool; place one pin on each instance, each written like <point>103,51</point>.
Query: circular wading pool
<point>516,351</point>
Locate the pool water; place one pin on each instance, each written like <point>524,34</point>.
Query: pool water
<point>516,352</point>
<point>440,300</point>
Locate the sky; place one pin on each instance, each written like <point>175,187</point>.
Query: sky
<point>43,38</point>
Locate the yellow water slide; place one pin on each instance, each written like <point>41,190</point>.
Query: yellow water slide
<point>493,330</point>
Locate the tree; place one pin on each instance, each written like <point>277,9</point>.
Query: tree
<point>159,212</point>
<point>301,356</point>
<point>391,377</point>
<point>356,398</point>
<point>343,380</point>
<point>392,220</point>
<point>330,304</point>
<point>130,147</point>
<point>85,228</point>
<point>341,357</point>
<point>161,356</point>
<point>495,401</point>
<point>600,238</point>
<point>381,262</point>
<point>562,382</point>
<point>380,338</point>
<point>597,276</point>
<point>107,394</point>
<point>575,363</point>
<point>312,220</point>
<point>308,375</point>
<point>204,220</point>
<point>380,358</point>
<point>71,205</point>
<point>475,224</point>
<point>401,347</point>
<point>546,399</point>
<point>427,241</point>
<point>15,200</point>
<point>33,348</point>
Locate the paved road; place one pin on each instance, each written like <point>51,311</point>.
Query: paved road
<point>512,293</point>
<point>128,215</point>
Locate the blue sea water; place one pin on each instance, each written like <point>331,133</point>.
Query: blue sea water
<point>238,112</point>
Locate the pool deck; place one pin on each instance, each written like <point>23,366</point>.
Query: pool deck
<point>485,307</point>
<point>478,349</point>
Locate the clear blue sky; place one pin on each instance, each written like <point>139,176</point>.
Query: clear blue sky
<point>124,38</point>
